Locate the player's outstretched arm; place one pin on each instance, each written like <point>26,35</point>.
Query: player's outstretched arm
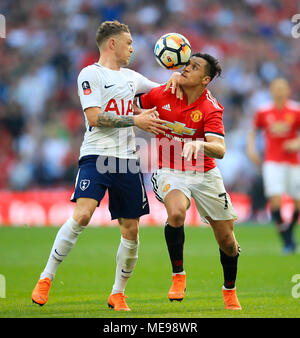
<point>137,110</point>
<point>147,120</point>
<point>97,118</point>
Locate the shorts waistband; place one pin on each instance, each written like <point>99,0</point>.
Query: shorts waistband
<point>188,172</point>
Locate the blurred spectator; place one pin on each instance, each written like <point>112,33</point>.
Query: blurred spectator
<point>49,42</point>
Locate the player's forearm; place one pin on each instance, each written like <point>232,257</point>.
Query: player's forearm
<point>211,148</point>
<point>297,143</point>
<point>251,148</point>
<point>214,149</point>
<point>114,121</point>
<point>251,141</point>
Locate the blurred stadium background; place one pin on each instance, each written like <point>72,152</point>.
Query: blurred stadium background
<point>41,124</point>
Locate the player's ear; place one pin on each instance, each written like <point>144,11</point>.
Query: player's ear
<point>206,80</point>
<point>111,43</point>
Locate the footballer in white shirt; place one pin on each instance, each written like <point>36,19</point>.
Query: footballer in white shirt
<point>107,158</point>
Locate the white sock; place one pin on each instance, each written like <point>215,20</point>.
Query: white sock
<point>127,256</point>
<point>64,242</point>
<point>178,273</point>
<point>223,287</point>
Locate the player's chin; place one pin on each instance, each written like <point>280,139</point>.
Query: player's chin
<point>182,80</point>
<point>126,62</point>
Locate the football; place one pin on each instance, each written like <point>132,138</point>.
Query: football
<point>172,51</point>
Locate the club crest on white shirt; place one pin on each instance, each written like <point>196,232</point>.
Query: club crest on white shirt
<point>84,184</point>
<point>131,86</point>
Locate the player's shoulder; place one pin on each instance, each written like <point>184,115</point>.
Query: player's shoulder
<point>130,73</point>
<point>293,105</point>
<point>265,108</point>
<point>159,91</point>
<point>211,104</point>
<point>89,70</point>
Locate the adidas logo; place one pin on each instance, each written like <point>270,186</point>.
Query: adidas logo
<point>167,107</point>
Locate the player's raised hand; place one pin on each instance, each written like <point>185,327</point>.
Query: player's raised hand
<point>173,83</point>
<point>149,121</point>
<point>192,148</point>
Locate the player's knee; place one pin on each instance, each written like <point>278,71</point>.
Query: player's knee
<point>130,227</point>
<point>176,216</point>
<point>229,245</point>
<point>83,217</point>
<point>133,232</point>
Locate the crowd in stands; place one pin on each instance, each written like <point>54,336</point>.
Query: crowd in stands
<point>48,42</point>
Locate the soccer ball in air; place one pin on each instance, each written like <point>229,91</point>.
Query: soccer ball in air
<point>172,51</point>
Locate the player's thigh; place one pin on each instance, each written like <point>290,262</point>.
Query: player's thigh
<point>274,179</point>
<point>211,198</point>
<point>176,204</point>
<point>127,196</point>
<point>84,210</point>
<point>164,181</point>
<point>90,184</point>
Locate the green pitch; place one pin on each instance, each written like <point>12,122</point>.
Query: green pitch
<point>84,280</point>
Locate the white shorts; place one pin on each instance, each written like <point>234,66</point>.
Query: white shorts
<point>207,190</point>
<point>281,178</point>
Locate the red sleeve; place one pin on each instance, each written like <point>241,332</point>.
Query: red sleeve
<point>258,121</point>
<point>298,121</point>
<point>145,101</point>
<point>213,124</point>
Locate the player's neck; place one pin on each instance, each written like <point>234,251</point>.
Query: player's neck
<point>108,61</point>
<point>279,104</point>
<point>191,94</point>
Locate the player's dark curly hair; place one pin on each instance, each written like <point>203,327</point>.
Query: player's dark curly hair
<point>213,67</point>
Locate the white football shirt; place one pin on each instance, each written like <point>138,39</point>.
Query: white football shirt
<point>112,91</point>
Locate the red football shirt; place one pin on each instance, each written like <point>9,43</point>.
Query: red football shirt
<point>186,123</point>
<point>279,125</point>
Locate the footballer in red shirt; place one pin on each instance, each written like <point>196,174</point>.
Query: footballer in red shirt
<point>188,169</point>
<point>186,122</point>
<point>280,122</point>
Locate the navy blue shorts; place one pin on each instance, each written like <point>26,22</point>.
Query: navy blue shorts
<point>121,177</point>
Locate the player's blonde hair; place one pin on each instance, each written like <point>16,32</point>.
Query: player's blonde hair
<point>108,29</point>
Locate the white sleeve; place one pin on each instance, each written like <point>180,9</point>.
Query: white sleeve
<point>143,85</point>
<point>89,87</point>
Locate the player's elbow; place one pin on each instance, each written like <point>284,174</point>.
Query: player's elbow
<point>92,114</point>
<point>221,153</point>
<point>92,119</point>
<point>92,122</point>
